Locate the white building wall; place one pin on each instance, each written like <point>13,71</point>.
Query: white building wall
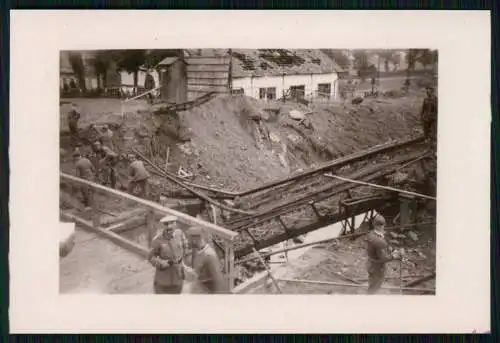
<point>251,86</point>
<point>128,78</point>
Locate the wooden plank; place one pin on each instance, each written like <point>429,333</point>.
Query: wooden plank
<point>115,238</point>
<point>230,259</point>
<point>150,218</point>
<point>215,68</point>
<point>200,91</point>
<point>257,280</point>
<point>127,225</point>
<point>208,60</point>
<point>208,75</point>
<point>205,81</point>
<point>219,231</point>
<point>210,86</point>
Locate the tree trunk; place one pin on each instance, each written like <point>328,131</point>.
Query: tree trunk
<point>136,81</point>
<point>81,82</point>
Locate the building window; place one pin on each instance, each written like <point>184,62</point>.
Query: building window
<point>297,92</point>
<point>238,91</point>
<point>324,90</point>
<point>267,93</point>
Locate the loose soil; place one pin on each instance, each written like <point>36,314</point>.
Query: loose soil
<point>236,143</point>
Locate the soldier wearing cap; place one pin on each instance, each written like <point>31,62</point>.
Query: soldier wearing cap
<point>107,161</point>
<point>139,177</point>
<point>84,170</point>
<point>73,118</point>
<point>205,262</point>
<point>378,255</point>
<point>428,114</point>
<point>106,136</point>
<point>168,250</point>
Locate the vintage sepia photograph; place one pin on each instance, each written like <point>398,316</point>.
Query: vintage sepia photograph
<point>248,171</point>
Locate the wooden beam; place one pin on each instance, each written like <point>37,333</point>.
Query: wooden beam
<point>257,280</point>
<point>328,283</point>
<point>373,185</point>
<point>217,230</point>
<point>127,225</point>
<point>115,238</point>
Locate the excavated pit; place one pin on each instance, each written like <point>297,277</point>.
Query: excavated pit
<point>237,143</point>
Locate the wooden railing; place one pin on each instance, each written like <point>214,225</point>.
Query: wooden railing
<point>225,235</point>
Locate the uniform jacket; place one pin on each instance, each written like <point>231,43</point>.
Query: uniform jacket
<point>377,250</point>
<point>73,116</point>
<point>173,250</point>
<point>429,109</point>
<point>207,266</point>
<point>137,171</point>
<point>84,169</point>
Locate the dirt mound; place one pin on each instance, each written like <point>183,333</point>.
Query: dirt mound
<point>239,142</point>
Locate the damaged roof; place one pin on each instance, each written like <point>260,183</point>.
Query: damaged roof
<point>273,62</point>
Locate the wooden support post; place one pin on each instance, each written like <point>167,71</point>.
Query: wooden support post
<point>96,214</point>
<point>353,224</point>
<point>150,226</point>
<point>404,218</point>
<point>230,268</point>
<point>315,210</point>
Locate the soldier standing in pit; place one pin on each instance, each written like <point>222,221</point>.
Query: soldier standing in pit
<point>205,262</point>
<point>378,255</point>
<point>73,118</point>
<point>84,170</point>
<point>139,177</point>
<point>428,115</point>
<point>106,137</point>
<point>106,164</point>
<point>168,250</point>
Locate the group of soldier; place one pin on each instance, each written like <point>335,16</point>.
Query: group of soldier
<point>379,252</point>
<point>171,248</point>
<point>178,256</point>
<point>101,164</point>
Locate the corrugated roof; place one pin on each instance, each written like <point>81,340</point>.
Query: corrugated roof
<point>274,62</point>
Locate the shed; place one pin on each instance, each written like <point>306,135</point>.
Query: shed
<point>173,79</point>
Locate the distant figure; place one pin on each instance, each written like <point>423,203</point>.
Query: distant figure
<point>149,84</point>
<point>73,118</point>
<point>106,163</point>
<point>378,255</point>
<point>428,115</point>
<point>139,177</point>
<point>205,263</point>
<point>168,250</point>
<point>106,137</point>
<point>84,170</point>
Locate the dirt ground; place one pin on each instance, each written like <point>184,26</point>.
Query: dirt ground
<point>237,143</point>
<point>96,265</point>
<point>345,262</point>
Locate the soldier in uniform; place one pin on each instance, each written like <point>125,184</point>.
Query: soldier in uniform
<point>106,137</point>
<point>73,118</point>
<point>168,250</point>
<point>139,177</point>
<point>106,163</point>
<point>84,170</point>
<point>205,262</point>
<point>428,115</point>
<point>378,255</point>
